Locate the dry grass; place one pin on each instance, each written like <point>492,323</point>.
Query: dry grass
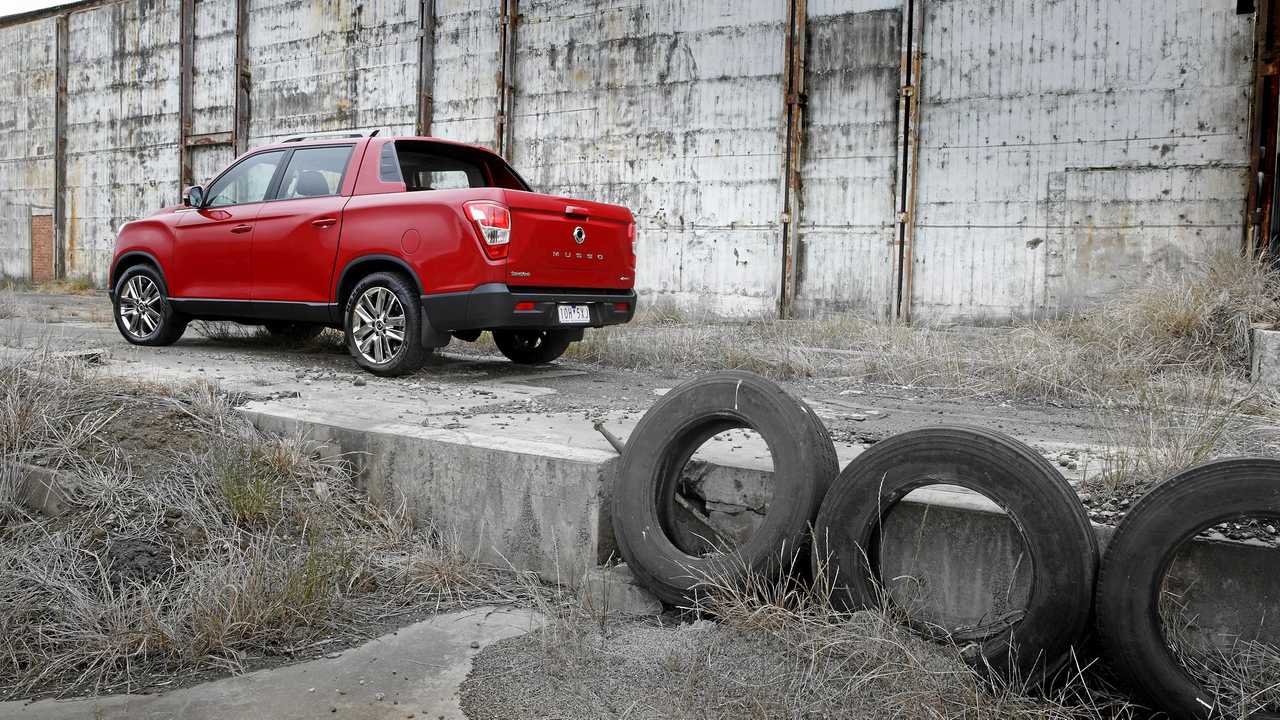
<point>1243,677</point>
<point>778,649</point>
<point>8,303</point>
<point>328,341</point>
<point>1166,427</point>
<point>1196,322</point>
<point>193,540</point>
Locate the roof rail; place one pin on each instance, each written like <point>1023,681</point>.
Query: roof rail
<point>329,136</point>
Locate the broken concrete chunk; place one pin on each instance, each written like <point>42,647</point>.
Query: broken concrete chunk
<point>615,590</point>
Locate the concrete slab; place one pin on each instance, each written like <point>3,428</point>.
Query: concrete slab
<point>533,504</point>
<point>413,672</point>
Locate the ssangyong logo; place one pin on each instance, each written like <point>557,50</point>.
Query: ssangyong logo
<point>579,235</point>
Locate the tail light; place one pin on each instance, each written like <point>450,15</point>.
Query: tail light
<point>631,235</point>
<point>493,221</point>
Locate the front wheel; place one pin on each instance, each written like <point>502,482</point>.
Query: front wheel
<point>143,314</point>
<point>531,347</point>
<point>384,326</point>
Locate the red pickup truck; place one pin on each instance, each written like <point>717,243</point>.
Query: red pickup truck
<point>401,242</point>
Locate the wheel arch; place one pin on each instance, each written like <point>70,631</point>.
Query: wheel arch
<point>132,259</point>
<point>366,265</point>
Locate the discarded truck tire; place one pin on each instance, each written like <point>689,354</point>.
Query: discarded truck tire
<point>1139,557</point>
<point>644,504</point>
<point>1041,504</point>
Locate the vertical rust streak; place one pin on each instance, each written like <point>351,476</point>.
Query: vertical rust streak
<point>426,63</point>
<point>62,30</point>
<point>506,73</point>
<point>794,98</point>
<point>907,157</point>
<point>913,153</point>
<point>240,91</point>
<point>186,41</point>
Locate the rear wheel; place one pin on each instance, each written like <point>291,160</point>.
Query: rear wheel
<point>294,330</point>
<point>384,325</point>
<point>143,314</point>
<point>531,347</point>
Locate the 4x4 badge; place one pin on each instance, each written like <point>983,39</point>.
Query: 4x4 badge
<point>579,235</point>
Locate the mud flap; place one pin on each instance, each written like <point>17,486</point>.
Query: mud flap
<point>431,337</point>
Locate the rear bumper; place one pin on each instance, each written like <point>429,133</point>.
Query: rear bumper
<point>493,306</point>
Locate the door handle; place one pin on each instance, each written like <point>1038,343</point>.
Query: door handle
<point>576,210</point>
<point>241,228</point>
<point>324,222</point>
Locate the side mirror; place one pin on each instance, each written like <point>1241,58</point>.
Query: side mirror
<point>193,197</point>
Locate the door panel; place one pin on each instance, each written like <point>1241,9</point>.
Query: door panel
<point>213,246</point>
<point>211,252</point>
<point>295,238</point>
<point>294,245</point>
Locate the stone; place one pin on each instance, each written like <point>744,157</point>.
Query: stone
<point>615,590</point>
<point>1265,357</point>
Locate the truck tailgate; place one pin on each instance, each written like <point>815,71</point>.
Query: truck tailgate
<point>567,243</point>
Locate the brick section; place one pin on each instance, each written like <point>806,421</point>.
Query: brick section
<point>41,248</point>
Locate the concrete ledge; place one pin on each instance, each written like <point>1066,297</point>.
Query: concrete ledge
<point>951,555</point>
<point>535,505</point>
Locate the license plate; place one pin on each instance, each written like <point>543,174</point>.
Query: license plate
<point>575,314</point>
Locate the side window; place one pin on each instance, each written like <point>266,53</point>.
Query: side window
<point>314,172</point>
<point>247,182</point>
<point>424,169</point>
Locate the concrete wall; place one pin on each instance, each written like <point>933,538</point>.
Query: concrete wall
<point>122,125</point>
<point>1064,147</point>
<point>673,109</point>
<point>1069,147</point>
<point>26,137</point>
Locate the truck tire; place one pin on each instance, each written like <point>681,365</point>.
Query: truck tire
<point>532,347</point>
<point>142,310</point>
<point>294,330</point>
<point>1138,559</point>
<point>1042,505</point>
<point>383,325</point>
<point>643,505</point>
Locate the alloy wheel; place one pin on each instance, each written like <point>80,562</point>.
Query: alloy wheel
<point>377,325</point>
<point>140,305</point>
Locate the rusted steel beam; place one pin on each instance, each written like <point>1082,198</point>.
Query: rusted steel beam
<point>426,63</point>
<point>217,138</point>
<point>793,150</point>
<point>908,155</point>
<point>62,31</point>
<point>509,12</point>
<point>186,42</point>
<point>240,98</point>
<point>1264,131</point>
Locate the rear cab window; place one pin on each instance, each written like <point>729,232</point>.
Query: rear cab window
<point>424,166</point>
<point>314,172</point>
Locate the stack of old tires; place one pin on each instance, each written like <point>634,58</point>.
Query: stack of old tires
<point>834,520</point>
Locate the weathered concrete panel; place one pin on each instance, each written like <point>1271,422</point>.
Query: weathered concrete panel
<point>1070,146</point>
<point>27,68</point>
<point>673,108</point>
<point>332,65</point>
<point>122,124</point>
<point>847,226</point>
<point>465,93</point>
<point>213,67</point>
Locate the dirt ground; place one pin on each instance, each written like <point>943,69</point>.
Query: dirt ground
<point>855,412</point>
